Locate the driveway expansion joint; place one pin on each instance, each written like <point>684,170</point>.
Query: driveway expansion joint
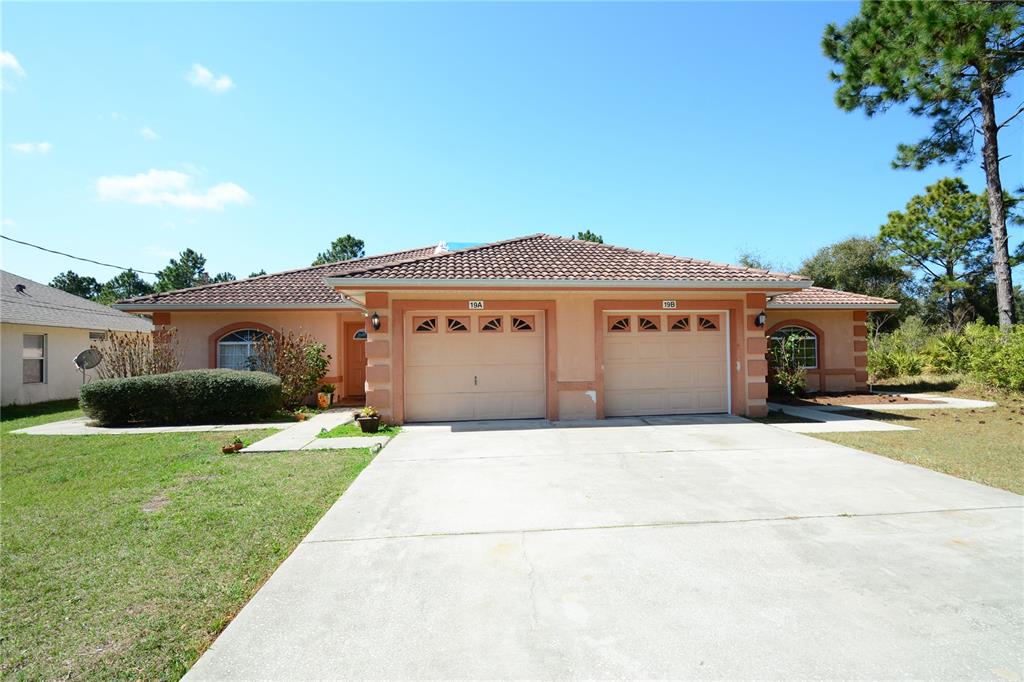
<point>662,524</point>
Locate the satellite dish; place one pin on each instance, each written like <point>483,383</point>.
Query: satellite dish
<point>88,358</point>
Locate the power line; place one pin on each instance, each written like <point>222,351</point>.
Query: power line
<point>87,260</point>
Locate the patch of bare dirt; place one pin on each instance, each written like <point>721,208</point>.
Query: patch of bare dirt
<point>157,503</point>
<point>854,398</point>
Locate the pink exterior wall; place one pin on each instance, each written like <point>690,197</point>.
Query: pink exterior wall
<point>842,357</point>
<point>195,330</point>
<point>575,384</point>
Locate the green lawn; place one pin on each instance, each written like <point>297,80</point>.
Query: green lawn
<point>984,445</point>
<point>352,429</point>
<point>124,556</point>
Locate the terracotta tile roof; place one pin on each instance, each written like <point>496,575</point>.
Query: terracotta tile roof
<point>302,287</point>
<point>545,257</point>
<point>819,297</point>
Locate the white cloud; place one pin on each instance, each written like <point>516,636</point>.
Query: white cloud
<point>202,77</point>
<point>168,188</point>
<point>8,222</point>
<point>32,147</point>
<point>8,62</point>
<point>159,251</point>
<point>148,133</point>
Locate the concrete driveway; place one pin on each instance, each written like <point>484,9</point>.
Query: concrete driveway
<point>706,547</point>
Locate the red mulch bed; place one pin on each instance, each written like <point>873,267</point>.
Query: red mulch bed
<point>851,398</point>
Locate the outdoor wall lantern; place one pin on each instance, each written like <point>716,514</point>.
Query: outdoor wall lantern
<point>759,320</point>
<point>375,321</point>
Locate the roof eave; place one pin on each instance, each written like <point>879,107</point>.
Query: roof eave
<point>147,307</point>
<point>833,306</point>
<point>56,325</point>
<point>385,283</point>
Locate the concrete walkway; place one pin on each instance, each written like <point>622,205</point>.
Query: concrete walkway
<point>79,426</point>
<point>304,435</point>
<point>826,421</point>
<point>702,548</point>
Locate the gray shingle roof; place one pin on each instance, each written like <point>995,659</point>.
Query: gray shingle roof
<point>38,304</point>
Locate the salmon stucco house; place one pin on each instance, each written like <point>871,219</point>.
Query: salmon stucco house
<point>534,327</point>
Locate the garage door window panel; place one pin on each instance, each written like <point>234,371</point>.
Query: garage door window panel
<point>648,324</point>
<point>708,323</point>
<point>523,323</point>
<point>424,325</point>
<point>619,324</point>
<point>458,324</point>
<point>490,324</point>
<point>679,323</point>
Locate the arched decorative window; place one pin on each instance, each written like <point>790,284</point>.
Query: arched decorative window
<point>804,344</point>
<point>235,349</point>
<point>360,335</point>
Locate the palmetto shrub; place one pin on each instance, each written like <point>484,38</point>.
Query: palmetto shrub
<point>996,356</point>
<point>949,353</point>
<point>198,396</point>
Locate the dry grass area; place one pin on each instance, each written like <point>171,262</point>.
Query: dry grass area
<point>983,445</point>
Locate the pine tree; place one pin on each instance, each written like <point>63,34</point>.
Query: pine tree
<point>950,61</point>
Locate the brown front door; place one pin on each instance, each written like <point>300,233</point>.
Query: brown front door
<point>355,359</point>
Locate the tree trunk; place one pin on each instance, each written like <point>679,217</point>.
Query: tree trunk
<point>996,208</point>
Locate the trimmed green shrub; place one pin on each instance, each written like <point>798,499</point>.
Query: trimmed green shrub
<point>199,396</point>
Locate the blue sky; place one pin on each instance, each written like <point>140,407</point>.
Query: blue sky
<point>696,129</point>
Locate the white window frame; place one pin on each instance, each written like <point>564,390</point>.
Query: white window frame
<point>804,334</point>
<point>43,360</point>
<point>250,345</point>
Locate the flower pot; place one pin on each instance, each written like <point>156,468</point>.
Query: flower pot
<point>228,449</point>
<point>323,400</point>
<point>300,416</point>
<point>368,424</point>
<point>237,446</point>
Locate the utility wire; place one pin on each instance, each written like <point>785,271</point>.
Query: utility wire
<point>87,260</point>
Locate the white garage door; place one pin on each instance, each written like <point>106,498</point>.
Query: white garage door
<point>462,366</point>
<point>665,364</point>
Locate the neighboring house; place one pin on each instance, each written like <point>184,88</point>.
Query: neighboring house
<point>538,326</point>
<point>43,329</point>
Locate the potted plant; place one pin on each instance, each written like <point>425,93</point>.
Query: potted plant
<point>325,397</point>
<point>300,415</point>
<point>237,444</point>
<point>368,419</point>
